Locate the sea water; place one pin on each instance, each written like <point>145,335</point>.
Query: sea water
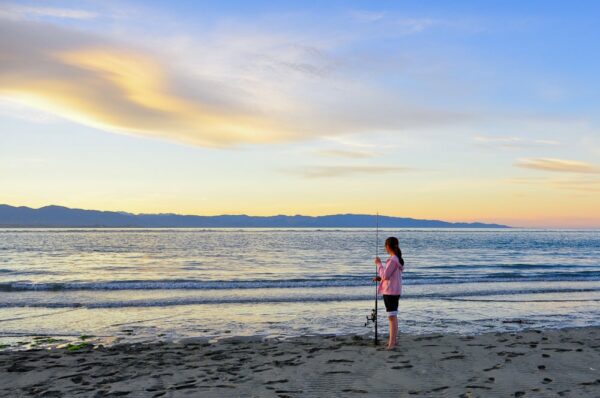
<point>147,284</point>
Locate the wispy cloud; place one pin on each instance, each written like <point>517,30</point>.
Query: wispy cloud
<point>590,184</point>
<point>526,180</point>
<point>397,24</point>
<point>21,11</point>
<point>558,165</point>
<point>233,89</point>
<point>584,185</point>
<point>367,16</point>
<point>345,153</point>
<point>414,25</point>
<point>106,84</point>
<point>352,142</point>
<point>17,110</point>
<point>512,142</point>
<point>343,171</point>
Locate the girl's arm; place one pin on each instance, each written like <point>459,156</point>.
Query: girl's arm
<point>386,272</point>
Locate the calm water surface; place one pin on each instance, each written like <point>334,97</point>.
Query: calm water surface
<point>170,283</point>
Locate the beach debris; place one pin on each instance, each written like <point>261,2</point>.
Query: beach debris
<point>74,347</point>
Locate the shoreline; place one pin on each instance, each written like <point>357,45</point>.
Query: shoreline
<point>553,362</point>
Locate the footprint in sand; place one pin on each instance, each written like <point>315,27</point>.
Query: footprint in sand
<point>183,386</point>
<point>453,357</point>
<point>497,366</point>
<point>475,386</point>
<point>276,381</point>
<point>439,389</point>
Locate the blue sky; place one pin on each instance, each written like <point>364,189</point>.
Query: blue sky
<point>452,110</point>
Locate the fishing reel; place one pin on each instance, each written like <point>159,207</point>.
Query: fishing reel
<point>371,318</point>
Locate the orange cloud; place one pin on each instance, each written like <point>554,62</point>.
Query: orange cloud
<point>345,153</point>
<point>340,171</point>
<point>99,83</point>
<point>558,165</point>
<point>107,84</point>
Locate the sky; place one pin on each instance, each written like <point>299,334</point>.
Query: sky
<point>460,111</point>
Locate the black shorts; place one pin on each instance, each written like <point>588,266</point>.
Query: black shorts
<point>391,304</point>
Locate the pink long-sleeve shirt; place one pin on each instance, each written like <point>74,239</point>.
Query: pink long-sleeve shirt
<point>391,276</point>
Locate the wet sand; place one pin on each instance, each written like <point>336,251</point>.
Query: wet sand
<point>522,364</point>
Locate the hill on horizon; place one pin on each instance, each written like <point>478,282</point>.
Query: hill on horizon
<point>60,217</point>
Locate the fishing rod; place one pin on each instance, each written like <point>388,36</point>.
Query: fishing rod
<point>373,316</point>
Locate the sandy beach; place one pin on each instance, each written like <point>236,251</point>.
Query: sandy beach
<point>532,363</point>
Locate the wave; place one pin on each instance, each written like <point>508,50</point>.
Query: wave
<point>515,266</point>
<point>187,284</point>
<point>178,301</point>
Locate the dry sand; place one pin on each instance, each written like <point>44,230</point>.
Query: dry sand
<point>522,364</point>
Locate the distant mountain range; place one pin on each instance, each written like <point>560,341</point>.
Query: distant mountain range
<point>58,216</point>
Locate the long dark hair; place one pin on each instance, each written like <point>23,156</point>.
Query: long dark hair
<point>393,244</point>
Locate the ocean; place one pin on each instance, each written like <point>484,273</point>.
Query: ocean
<point>149,284</point>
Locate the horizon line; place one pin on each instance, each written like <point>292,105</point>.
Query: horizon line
<point>307,216</point>
<point>257,216</point>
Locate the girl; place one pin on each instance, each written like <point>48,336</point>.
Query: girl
<point>391,284</point>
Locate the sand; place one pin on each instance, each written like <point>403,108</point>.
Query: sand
<point>521,364</point>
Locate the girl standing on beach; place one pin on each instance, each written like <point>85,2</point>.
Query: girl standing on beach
<point>391,284</point>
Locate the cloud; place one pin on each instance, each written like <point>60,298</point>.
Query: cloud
<point>414,25</point>
<point>343,171</point>
<point>17,110</point>
<point>512,142</point>
<point>558,165</point>
<point>353,142</point>
<point>231,89</point>
<point>102,83</point>
<point>394,23</point>
<point>583,185</point>
<point>367,16</point>
<point>526,180</point>
<point>344,153</point>
<point>19,11</point>
<point>591,184</point>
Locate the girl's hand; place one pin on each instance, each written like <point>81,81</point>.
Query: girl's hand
<point>377,279</point>
<point>377,261</point>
